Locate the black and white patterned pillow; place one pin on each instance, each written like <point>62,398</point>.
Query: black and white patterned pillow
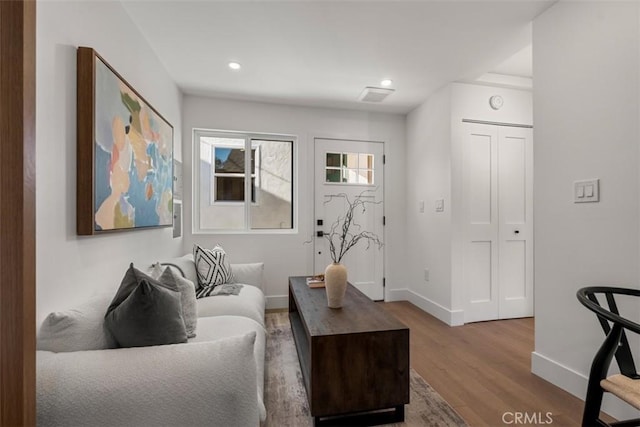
<point>212,268</point>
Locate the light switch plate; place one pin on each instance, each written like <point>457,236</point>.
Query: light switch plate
<point>586,191</point>
<point>440,205</point>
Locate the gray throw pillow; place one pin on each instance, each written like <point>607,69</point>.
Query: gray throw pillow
<point>145,312</point>
<point>168,277</point>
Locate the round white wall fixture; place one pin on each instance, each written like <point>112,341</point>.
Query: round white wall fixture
<point>496,102</point>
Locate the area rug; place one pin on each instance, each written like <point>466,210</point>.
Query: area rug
<point>286,398</point>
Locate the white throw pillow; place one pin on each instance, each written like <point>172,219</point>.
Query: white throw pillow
<point>212,266</point>
<point>76,329</point>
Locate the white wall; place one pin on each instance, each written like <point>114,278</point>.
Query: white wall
<point>435,171</point>
<point>428,179</point>
<point>586,106</point>
<point>287,254</point>
<point>70,268</point>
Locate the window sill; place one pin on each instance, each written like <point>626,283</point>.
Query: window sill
<point>274,231</point>
<point>232,204</point>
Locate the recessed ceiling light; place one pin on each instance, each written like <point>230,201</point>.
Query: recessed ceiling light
<point>386,82</point>
<point>234,65</point>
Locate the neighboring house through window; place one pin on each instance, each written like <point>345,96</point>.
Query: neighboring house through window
<point>229,174</point>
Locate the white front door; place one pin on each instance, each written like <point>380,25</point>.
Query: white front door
<point>498,194</point>
<point>345,170</point>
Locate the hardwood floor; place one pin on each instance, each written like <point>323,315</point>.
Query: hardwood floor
<point>484,369</point>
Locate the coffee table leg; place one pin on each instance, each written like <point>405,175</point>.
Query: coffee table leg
<point>396,415</point>
<point>399,414</point>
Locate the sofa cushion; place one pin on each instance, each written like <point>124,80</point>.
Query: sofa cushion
<point>80,328</point>
<point>185,266</point>
<point>187,291</point>
<point>219,327</point>
<point>250,302</point>
<point>248,274</point>
<point>212,266</point>
<point>145,312</point>
<point>205,383</point>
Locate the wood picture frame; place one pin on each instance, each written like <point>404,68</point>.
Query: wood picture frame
<point>124,153</point>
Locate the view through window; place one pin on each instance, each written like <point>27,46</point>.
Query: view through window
<point>236,168</point>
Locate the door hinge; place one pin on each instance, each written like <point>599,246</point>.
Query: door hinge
<point>384,282</point>
<point>384,220</point>
<point>384,159</point>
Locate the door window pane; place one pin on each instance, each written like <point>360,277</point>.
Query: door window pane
<point>366,161</point>
<point>350,160</point>
<point>334,175</point>
<point>349,168</point>
<point>333,159</point>
<point>365,177</point>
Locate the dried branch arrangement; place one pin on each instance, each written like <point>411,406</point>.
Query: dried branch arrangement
<point>345,233</point>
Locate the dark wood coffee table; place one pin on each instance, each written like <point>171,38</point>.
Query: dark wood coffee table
<point>354,360</point>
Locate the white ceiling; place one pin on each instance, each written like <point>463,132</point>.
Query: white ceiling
<point>324,53</point>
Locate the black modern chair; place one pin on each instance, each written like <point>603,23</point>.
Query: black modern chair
<point>626,385</point>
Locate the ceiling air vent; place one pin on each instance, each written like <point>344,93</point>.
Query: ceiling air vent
<point>374,94</point>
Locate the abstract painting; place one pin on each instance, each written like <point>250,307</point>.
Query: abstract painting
<point>125,153</point>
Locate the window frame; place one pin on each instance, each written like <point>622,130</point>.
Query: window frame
<point>197,134</point>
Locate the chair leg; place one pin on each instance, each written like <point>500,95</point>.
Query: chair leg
<point>592,403</point>
<point>599,368</point>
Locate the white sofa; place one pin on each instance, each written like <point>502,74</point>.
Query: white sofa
<point>216,379</point>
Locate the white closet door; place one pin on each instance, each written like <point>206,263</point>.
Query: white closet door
<point>515,201</point>
<point>498,195</point>
<point>480,195</point>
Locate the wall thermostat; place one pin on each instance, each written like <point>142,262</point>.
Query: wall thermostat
<point>496,102</point>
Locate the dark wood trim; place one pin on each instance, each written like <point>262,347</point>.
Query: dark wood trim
<point>85,132</point>
<point>17,212</point>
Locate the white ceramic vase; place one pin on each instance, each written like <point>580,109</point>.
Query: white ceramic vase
<point>335,283</point>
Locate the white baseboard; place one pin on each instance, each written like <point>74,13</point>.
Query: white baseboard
<point>562,376</point>
<point>396,295</point>
<point>277,301</point>
<point>576,383</point>
<point>450,317</point>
